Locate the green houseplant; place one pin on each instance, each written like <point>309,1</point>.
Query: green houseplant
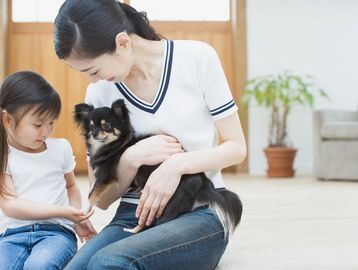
<point>280,93</point>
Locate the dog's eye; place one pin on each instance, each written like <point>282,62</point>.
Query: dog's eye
<point>106,126</point>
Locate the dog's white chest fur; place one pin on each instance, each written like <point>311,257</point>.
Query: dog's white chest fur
<point>95,145</point>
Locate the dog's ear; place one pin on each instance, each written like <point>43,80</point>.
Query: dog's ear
<point>120,109</point>
<point>80,114</point>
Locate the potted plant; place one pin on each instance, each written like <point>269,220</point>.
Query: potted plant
<point>279,93</point>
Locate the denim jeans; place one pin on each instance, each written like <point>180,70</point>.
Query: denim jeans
<point>37,247</point>
<point>194,240</point>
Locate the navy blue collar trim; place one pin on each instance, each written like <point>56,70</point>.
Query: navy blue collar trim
<point>145,106</point>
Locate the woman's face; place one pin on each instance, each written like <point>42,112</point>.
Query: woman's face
<point>110,67</point>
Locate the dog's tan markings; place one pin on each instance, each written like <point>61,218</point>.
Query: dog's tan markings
<point>105,124</point>
<point>112,137</point>
<point>116,132</point>
<point>98,191</point>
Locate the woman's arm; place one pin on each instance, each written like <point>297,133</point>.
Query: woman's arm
<point>163,182</point>
<point>14,207</point>
<point>150,151</point>
<point>232,149</point>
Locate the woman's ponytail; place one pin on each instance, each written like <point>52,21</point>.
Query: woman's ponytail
<point>140,23</point>
<point>89,28</point>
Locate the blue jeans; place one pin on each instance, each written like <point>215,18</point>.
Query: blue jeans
<point>37,247</point>
<point>194,240</point>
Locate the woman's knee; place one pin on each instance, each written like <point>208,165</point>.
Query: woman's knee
<point>104,260</point>
<point>41,264</point>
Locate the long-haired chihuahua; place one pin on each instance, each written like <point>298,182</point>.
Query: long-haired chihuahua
<point>108,133</point>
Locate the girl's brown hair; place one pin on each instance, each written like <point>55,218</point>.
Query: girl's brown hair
<point>19,93</point>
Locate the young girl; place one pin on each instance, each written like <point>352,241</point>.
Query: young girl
<point>172,87</point>
<point>39,200</point>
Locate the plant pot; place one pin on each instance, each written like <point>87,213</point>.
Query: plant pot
<point>280,161</point>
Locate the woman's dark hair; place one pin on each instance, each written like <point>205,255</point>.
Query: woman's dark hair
<point>20,93</point>
<point>88,28</point>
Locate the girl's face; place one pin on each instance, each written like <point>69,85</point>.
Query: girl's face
<point>30,133</point>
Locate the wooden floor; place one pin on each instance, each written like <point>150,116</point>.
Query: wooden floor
<point>298,223</point>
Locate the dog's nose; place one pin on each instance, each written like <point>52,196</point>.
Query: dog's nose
<point>95,133</point>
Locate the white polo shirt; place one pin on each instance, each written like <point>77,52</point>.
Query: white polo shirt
<point>192,95</point>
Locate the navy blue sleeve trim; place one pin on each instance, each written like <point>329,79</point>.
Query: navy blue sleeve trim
<point>223,108</point>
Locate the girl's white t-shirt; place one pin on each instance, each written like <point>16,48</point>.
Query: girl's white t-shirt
<point>192,95</point>
<point>39,177</point>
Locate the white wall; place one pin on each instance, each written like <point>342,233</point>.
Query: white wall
<point>316,37</point>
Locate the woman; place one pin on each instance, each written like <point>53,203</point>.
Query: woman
<point>176,88</point>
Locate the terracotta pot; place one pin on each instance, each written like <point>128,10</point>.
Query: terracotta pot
<point>280,161</point>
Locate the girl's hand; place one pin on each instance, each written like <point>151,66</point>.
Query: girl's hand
<point>158,190</point>
<point>76,215</point>
<point>85,230</point>
<point>153,150</point>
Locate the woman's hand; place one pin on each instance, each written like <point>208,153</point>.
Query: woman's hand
<point>76,215</point>
<point>158,190</point>
<point>153,150</point>
<point>85,230</point>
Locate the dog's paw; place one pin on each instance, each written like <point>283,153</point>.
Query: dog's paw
<point>93,198</point>
<point>136,229</point>
<point>99,190</point>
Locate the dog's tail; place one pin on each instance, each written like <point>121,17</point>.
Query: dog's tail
<point>228,208</point>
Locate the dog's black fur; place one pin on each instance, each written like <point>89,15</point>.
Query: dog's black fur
<point>108,133</point>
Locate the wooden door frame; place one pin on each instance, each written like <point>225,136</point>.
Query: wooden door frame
<point>3,36</point>
<point>238,24</point>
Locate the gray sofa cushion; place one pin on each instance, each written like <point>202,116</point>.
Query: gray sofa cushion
<point>340,130</point>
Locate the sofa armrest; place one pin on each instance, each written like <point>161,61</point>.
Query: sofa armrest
<point>336,115</point>
<point>321,116</point>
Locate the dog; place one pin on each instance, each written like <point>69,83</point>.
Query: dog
<point>108,133</point>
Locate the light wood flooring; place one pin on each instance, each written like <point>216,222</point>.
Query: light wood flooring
<point>287,224</point>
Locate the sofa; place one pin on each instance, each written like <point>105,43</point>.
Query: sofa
<point>335,144</point>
